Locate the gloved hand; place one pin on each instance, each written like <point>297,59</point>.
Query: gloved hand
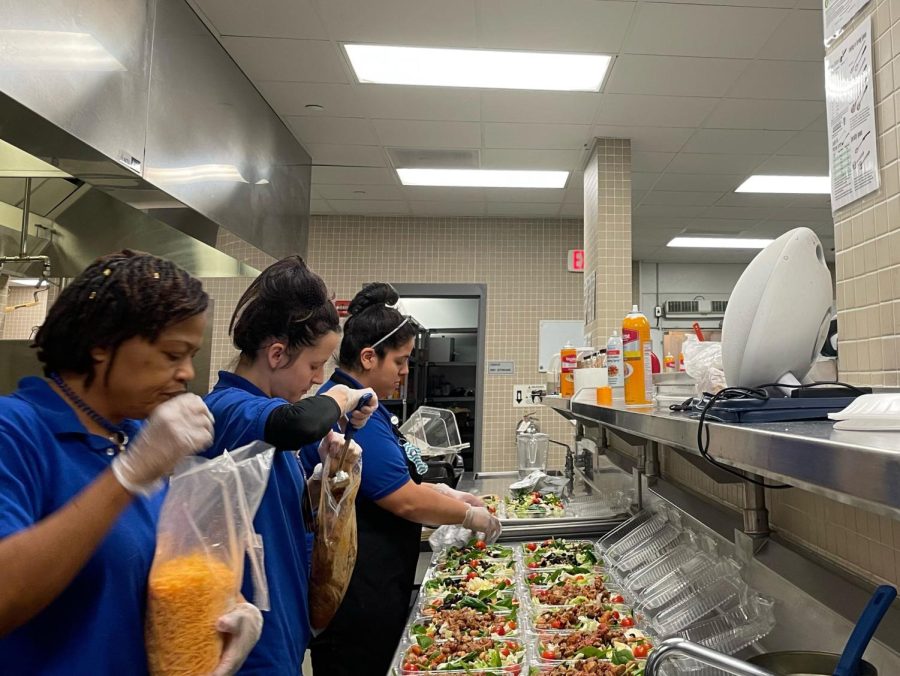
<point>348,400</point>
<point>479,520</point>
<point>468,498</point>
<point>242,626</point>
<point>333,445</point>
<point>177,428</point>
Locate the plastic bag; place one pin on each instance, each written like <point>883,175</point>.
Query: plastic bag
<point>205,529</point>
<point>449,536</point>
<point>703,363</point>
<point>334,552</point>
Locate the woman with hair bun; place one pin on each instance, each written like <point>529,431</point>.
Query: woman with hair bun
<point>392,502</point>
<point>286,328</point>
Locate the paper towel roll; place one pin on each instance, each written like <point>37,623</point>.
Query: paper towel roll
<point>591,379</point>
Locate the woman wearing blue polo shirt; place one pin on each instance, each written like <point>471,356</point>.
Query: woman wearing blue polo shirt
<point>286,328</point>
<point>80,477</point>
<point>392,502</point>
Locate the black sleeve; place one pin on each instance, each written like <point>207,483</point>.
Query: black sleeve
<point>294,425</point>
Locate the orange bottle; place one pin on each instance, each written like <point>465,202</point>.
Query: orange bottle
<point>568,360</point>
<point>636,350</point>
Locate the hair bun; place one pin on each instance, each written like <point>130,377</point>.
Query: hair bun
<point>376,293</point>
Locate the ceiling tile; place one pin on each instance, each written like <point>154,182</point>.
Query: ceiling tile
<point>264,18</point>
<point>654,111</point>
<point>353,176</point>
<point>810,143</point>
<point>338,130</point>
<point>522,209</point>
<point>449,208</point>
<point>704,163</point>
<point>360,192</point>
<point>652,211</point>
<point>736,141</point>
<point>524,195</point>
<point>804,80</point>
<point>778,4</point>
<point>699,182</point>
<point>319,207</point>
<point>291,98</point>
<point>764,114</point>
<point>816,201</point>
<point>673,76</point>
<point>287,60</point>
<point>419,103</point>
<point>449,195</point>
<point>738,213</point>
<point>643,139</point>
<point>360,156</point>
<point>686,30</point>
<point>686,199</point>
<point>559,136</point>
<point>421,134</point>
<point>572,26</point>
<point>702,225</point>
<point>369,207</point>
<point>509,158</point>
<point>819,124</point>
<point>401,22</point>
<point>650,162</point>
<point>641,181</point>
<point>794,165</point>
<point>798,38</point>
<point>558,107</point>
<point>761,200</point>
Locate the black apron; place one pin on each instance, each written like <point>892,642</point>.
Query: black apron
<point>363,636</point>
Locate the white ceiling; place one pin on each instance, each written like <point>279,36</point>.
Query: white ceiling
<point>709,91</point>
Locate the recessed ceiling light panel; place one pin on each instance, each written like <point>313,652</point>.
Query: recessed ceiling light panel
<point>483,178</point>
<point>808,185</point>
<point>719,243</point>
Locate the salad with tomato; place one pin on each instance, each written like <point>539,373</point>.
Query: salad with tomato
<point>586,617</point>
<point>556,576</point>
<point>461,654</point>
<point>461,567</point>
<point>471,583</point>
<point>486,601</point>
<point>534,506</point>
<point>575,592</point>
<point>622,646</point>
<point>466,622</point>
<point>589,666</point>
<point>556,553</point>
<point>476,549</point>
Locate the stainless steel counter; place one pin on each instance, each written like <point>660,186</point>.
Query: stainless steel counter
<point>857,468</point>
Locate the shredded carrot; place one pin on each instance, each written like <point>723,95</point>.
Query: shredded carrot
<point>186,595</point>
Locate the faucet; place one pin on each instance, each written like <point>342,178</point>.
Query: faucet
<point>570,464</point>
<point>673,647</point>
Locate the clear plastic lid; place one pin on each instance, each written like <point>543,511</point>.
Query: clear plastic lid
<point>721,594</point>
<point>641,579</point>
<point>433,431</point>
<point>648,551</point>
<point>631,534</point>
<point>737,628</point>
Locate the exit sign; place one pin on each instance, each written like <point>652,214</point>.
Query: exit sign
<point>576,260</point>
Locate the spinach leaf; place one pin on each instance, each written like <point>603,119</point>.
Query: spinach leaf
<point>424,642</point>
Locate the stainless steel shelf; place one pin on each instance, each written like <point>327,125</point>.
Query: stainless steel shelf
<point>856,468</point>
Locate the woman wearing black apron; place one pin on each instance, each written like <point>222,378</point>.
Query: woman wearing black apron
<point>392,502</point>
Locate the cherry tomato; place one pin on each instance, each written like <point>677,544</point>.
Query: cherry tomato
<point>556,624</point>
<point>617,599</point>
<point>531,546</point>
<point>514,669</point>
<point>507,582</point>
<point>536,501</point>
<point>481,544</point>
<point>501,631</point>
<point>512,625</point>
<point>548,655</point>
<point>512,645</point>
<point>471,576</point>
<point>616,614</point>
<point>640,651</point>
<point>505,652</point>
<point>579,577</point>
<point>626,622</point>
<point>410,667</point>
<point>533,576</point>
<point>535,494</point>
<point>532,565</point>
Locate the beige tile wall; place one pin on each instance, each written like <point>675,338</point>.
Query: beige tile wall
<point>523,264</point>
<point>867,232</point>
<point>21,324</point>
<point>607,233</point>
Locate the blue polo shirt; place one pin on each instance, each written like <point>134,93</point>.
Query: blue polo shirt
<point>96,626</point>
<point>384,468</point>
<point>241,410</point>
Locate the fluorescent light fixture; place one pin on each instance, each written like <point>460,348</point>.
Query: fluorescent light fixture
<point>719,243</point>
<point>487,69</point>
<point>201,173</point>
<point>483,178</point>
<point>54,50</point>
<point>810,185</point>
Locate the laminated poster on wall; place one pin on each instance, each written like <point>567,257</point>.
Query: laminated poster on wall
<point>850,103</point>
<point>837,15</point>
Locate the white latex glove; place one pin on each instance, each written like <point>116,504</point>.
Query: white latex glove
<point>242,626</point>
<point>462,496</point>
<point>316,473</point>
<point>177,428</point>
<point>351,398</point>
<point>333,445</point>
<point>479,520</point>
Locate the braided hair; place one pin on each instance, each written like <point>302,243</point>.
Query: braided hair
<point>118,297</point>
<point>371,319</point>
<point>288,302</point>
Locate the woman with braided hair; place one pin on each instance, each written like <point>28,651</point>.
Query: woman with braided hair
<point>286,329</point>
<point>80,473</point>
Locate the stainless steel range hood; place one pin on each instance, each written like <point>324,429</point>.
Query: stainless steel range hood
<point>158,129</point>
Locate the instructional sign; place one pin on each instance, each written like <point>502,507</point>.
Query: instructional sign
<point>836,14</point>
<point>529,396</point>
<point>850,102</point>
<point>501,368</point>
